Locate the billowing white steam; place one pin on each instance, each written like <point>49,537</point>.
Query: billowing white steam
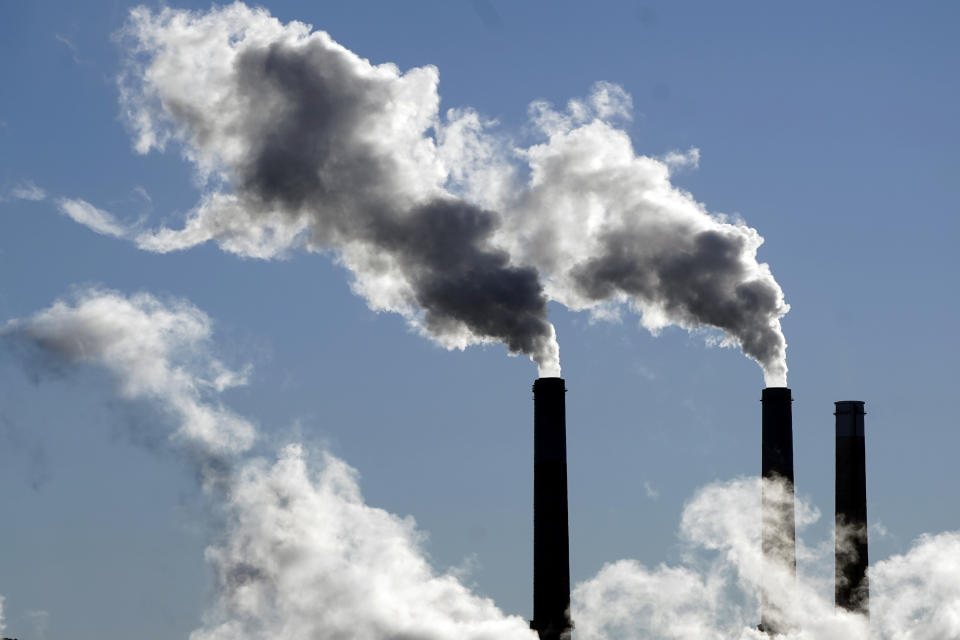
<point>303,144</point>
<point>302,556</point>
<point>155,351</point>
<point>912,596</point>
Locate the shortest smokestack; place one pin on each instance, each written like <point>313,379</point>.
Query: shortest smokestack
<point>852,591</point>
<point>551,543</point>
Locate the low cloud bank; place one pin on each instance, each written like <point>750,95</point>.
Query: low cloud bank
<point>301,555</point>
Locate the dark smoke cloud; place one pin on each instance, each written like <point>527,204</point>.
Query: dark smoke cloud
<point>697,278</point>
<point>304,144</point>
<point>316,147</point>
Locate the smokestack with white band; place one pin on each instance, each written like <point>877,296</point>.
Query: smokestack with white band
<point>852,590</point>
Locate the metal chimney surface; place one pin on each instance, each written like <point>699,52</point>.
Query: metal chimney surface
<point>551,544</point>
<point>852,591</point>
<point>779,528</point>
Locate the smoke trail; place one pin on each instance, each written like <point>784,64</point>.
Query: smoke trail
<point>302,144</point>
<point>302,556</point>
<point>606,226</point>
<point>323,150</point>
<point>156,352</point>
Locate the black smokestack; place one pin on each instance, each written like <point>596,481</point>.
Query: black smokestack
<point>852,591</point>
<point>779,530</point>
<point>551,543</point>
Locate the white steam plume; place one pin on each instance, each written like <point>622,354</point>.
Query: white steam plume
<point>302,556</point>
<point>715,594</point>
<point>303,144</point>
<point>156,352</point>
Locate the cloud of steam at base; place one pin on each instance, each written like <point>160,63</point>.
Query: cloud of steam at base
<point>303,144</point>
<point>302,555</point>
<point>714,594</point>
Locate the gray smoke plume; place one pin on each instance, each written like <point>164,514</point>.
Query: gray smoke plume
<point>303,144</point>
<point>605,226</point>
<point>321,149</point>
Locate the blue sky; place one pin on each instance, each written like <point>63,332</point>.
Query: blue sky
<point>831,130</point>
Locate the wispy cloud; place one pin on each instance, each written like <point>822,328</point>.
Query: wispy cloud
<point>302,555</point>
<point>155,350</point>
<point>74,52</point>
<point>488,14</point>
<point>40,620</point>
<point>650,490</point>
<point>103,222</point>
<point>28,190</point>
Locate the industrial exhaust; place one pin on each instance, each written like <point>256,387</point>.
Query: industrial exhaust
<point>852,590</point>
<point>551,542</point>
<point>779,528</point>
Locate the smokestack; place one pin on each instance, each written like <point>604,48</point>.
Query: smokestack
<point>852,592</point>
<point>551,544</point>
<point>779,530</point>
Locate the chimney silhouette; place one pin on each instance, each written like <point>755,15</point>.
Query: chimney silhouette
<point>551,544</point>
<point>779,529</point>
<point>852,591</point>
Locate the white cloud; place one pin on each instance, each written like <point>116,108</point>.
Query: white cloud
<point>74,52</point>
<point>714,593</point>
<point>301,556</point>
<point>40,621</point>
<point>304,557</point>
<point>683,159</point>
<point>916,595</point>
<point>650,490</point>
<point>28,191</point>
<point>91,217</point>
<point>156,350</point>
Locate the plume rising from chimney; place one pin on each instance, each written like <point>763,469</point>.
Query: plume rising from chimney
<point>551,544</point>
<point>303,144</point>
<point>852,591</point>
<point>779,529</point>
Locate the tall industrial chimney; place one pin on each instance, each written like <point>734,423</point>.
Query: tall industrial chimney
<point>852,592</point>
<point>551,543</point>
<point>779,529</point>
